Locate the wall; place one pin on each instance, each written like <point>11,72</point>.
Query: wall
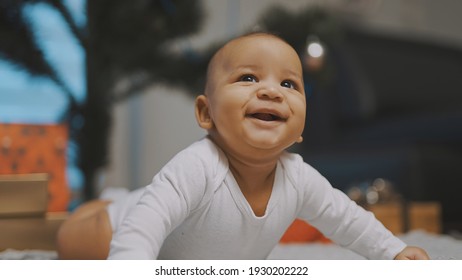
<point>150,129</point>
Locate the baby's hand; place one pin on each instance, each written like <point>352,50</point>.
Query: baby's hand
<point>412,253</point>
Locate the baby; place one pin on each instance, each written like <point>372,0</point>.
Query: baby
<point>233,194</point>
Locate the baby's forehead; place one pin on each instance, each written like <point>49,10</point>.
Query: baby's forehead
<point>253,43</point>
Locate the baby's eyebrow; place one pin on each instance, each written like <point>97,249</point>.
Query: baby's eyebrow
<point>248,67</point>
<point>293,74</point>
<point>244,68</point>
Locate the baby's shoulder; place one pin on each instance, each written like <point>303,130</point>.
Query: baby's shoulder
<point>299,171</point>
<point>205,158</point>
<point>205,153</point>
<point>194,172</point>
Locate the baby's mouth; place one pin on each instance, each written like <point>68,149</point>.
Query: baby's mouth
<point>268,117</point>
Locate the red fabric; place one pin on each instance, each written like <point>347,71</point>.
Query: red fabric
<point>302,232</point>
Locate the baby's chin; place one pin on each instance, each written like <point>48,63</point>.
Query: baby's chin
<point>269,142</point>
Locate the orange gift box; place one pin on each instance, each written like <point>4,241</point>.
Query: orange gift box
<point>33,148</point>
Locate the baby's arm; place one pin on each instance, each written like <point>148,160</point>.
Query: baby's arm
<point>175,191</point>
<point>346,223</point>
<point>412,253</point>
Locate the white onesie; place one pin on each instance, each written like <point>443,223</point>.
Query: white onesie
<point>194,209</point>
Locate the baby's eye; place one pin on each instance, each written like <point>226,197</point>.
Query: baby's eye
<point>248,78</point>
<point>288,84</point>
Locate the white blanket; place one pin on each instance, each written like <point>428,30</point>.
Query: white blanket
<point>439,247</point>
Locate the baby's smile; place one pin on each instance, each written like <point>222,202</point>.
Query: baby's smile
<point>267,114</point>
<point>266,117</point>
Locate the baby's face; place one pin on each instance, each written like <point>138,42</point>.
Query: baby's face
<point>256,95</point>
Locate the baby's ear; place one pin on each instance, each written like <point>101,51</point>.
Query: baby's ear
<point>202,112</point>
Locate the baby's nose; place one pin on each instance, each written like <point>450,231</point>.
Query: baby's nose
<point>269,92</point>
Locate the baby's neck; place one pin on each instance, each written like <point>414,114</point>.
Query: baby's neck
<point>255,182</point>
<point>253,176</point>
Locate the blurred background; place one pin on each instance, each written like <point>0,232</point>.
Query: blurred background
<point>383,83</point>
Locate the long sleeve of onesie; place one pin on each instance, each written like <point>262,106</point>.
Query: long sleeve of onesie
<point>342,220</point>
<point>174,192</point>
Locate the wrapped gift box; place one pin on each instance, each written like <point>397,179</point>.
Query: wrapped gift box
<point>34,148</point>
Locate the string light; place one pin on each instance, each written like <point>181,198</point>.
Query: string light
<point>315,52</point>
<point>315,49</point>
